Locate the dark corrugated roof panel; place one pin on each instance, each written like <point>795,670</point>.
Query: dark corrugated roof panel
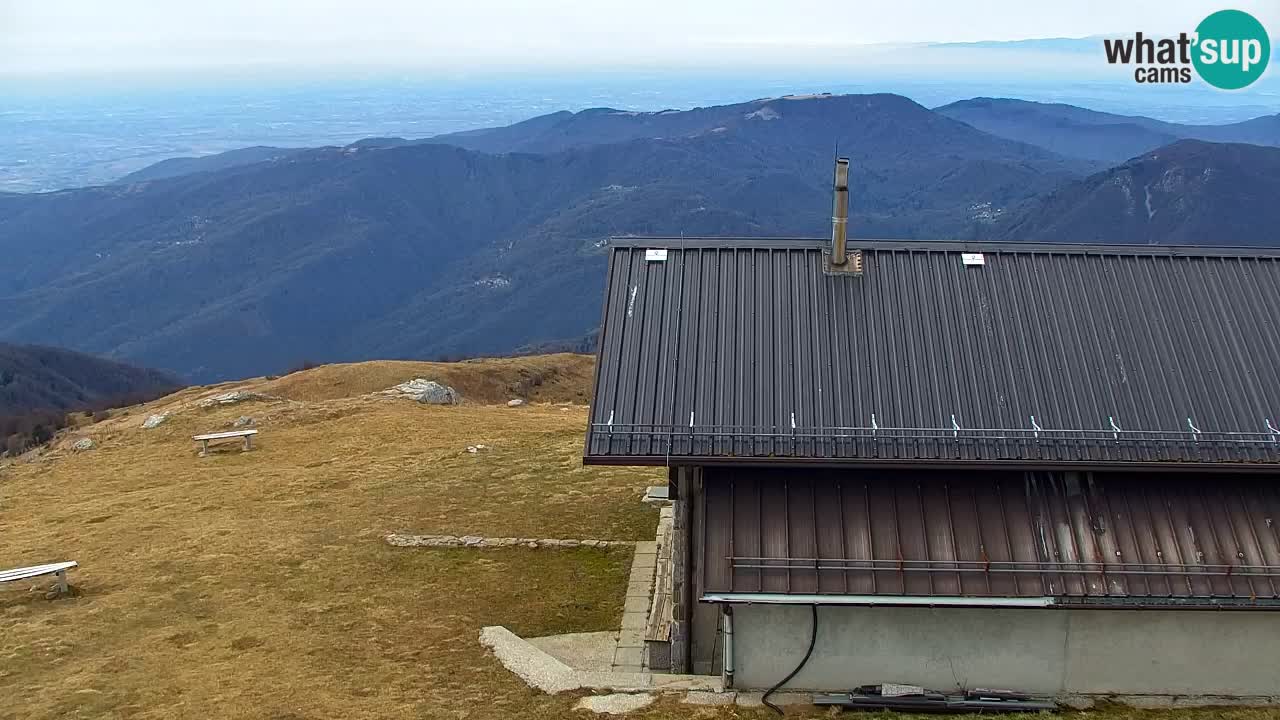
<point>1077,538</point>
<point>1037,356</point>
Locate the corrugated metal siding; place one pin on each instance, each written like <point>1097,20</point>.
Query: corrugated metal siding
<point>1077,537</point>
<point>751,351</point>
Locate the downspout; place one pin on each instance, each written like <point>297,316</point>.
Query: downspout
<point>727,674</point>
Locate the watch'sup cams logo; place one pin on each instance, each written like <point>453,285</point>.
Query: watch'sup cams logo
<point>1229,50</point>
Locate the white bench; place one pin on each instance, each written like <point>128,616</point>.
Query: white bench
<point>59,569</point>
<point>204,439</point>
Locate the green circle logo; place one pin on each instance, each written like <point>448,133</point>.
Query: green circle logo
<point>1232,49</point>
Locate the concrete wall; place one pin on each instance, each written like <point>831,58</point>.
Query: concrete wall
<point>1046,651</point>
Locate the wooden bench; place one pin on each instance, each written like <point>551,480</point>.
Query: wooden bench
<point>204,439</point>
<point>58,569</point>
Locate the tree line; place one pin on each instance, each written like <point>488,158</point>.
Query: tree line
<point>31,428</point>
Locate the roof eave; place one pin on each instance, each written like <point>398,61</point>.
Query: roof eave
<point>918,464</point>
<point>806,243</point>
<point>989,602</point>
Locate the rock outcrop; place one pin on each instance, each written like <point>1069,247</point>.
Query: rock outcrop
<point>428,392</point>
<point>476,541</point>
<point>232,398</point>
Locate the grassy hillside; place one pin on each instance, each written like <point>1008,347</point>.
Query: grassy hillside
<point>540,378</point>
<point>258,585</point>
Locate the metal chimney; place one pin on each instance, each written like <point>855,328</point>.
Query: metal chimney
<point>840,214</point>
<point>838,261</point>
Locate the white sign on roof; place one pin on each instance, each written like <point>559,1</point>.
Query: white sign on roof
<point>655,255</point>
<point>972,259</point>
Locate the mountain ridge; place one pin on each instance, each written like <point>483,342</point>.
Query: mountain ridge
<point>1075,132</point>
<point>1087,134</point>
<point>1191,192</point>
<point>423,250</point>
<point>176,167</point>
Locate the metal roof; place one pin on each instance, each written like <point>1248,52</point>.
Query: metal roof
<point>716,350</point>
<point>1097,539</point>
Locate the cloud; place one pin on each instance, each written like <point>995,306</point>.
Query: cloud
<point>98,35</point>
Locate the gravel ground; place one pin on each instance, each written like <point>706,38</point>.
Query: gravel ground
<point>616,704</point>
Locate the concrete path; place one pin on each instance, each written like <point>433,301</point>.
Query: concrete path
<point>616,704</point>
<point>600,661</point>
<point>581,651</point>
<point>543,671</point>
<point>629,654</point>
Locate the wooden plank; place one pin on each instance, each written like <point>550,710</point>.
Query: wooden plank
<point>658,625</point>
<point>224,436</point>
<point>35,571</point>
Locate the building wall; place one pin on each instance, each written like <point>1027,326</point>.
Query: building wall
<point>1046,651</point>
<point>704,620</point>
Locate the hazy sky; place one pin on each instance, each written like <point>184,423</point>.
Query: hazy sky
<point>38,36</point>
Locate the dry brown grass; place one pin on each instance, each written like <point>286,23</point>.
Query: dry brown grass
<point>539,378</point>
<point>258,586</point>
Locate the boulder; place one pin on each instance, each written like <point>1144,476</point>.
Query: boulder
<point>242,421</point>
<point>82,444</point>
<point>154,421</point>
<point>433,393</point>
<point>515,403</point>
<point>428,392</point>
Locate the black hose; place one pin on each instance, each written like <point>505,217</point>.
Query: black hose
<point>813,640</point>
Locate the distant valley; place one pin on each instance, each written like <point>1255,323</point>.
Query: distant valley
<point>489,242</point>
